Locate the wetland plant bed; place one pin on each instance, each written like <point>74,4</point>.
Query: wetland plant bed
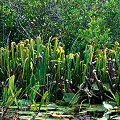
<point>52,111</point>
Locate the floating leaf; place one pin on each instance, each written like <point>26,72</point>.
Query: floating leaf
<point>25,113</point>
<point>71,98</point>
<point>107,106</point>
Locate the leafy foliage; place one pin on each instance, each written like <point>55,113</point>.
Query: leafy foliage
<point>81,61</point>
<point>38,67</point>
<point>76,23</point>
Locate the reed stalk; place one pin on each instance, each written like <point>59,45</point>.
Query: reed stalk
<point>22,52</point>
<point>1,56</point>
<point>76,68</point>
<point>70,58</point>
<point>13,44</point>
<point>7,61</point>
<point>39,42</point>
<point>55,48</point>
<point>104,65</point>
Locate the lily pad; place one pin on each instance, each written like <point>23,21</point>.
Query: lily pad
<point>25,117</point>
<point>71,98</point>
<point>116,118</point>
<point>40,118</point>
<point>25,113</point>
<point>13,107</point>
<point>24,102</point>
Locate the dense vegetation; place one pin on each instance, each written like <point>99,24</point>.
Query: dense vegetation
<point>76,23</point>
<point>75,56</point>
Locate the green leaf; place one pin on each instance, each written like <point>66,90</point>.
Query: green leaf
<point>5,94</point>
<point>24,102</point>
<point>95,87</point>
<point>43,98</point>
<point>117,98</point>
<point>71,98</point>
<point>11,83</point>
<point>11,99</point>
<point>25,113</point>
<point>107,106</point>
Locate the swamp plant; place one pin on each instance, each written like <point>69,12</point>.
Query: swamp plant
<point>39,67</point>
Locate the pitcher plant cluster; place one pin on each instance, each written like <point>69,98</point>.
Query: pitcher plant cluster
<point>31,68</point>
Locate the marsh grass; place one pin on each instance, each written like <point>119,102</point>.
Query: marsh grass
<point>39,67</point>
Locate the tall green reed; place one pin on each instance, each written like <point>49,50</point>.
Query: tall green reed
<point>88,58</point>
<point>13,44</point>
<point>70,58</point>
<point>37,61</point>
<point>1,53</point>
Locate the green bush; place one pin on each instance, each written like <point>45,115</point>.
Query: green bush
<point>76,23</point>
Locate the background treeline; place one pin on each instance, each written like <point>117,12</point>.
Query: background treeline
<point>75,22</point>
<point>83,53</point>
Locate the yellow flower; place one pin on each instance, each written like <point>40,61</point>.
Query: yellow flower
<point>36,56</point>
<point>71,56</point>
<point>60,49</point>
